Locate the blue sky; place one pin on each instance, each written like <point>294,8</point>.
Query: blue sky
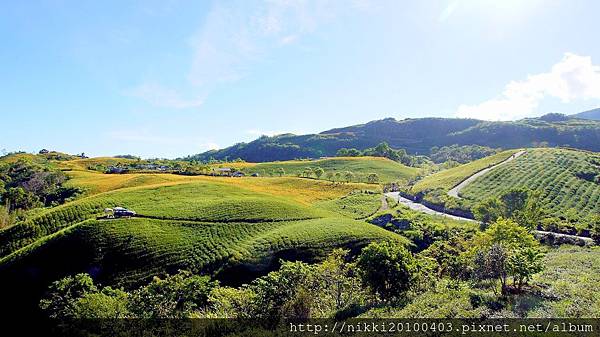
<point>170,78</point>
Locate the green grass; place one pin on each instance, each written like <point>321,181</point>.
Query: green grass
<point>572,276</point>
<point>447,179</point>
<point>566,288</point>
<point>555,172</point>
<point>356,205</point>
<point>129,251</point>
<point>199,201</point>
<point>387,170</point>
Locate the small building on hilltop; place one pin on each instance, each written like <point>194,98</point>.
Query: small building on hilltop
<point>224,171</point>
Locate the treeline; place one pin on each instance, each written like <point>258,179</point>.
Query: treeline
<point>334,175</point>
<point>460,154</point>
<point>383,150</point>
<point>503,258</point>
<point>25,185</point>
<point>453,154</point>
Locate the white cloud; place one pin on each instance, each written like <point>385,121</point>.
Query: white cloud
<point>448,11</point>
<point>288,39</point>
<point>236,34</point>
<point>575,77</point>
<point>160,96</point>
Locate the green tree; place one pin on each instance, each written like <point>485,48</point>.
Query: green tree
<point>354,153</point>
<point>520,248</point>
<point>343,152</point>
<point>17,198</point>
<point>174,296</point>
<point>280,171</point>
<point>488,210</point>
<point>62,296</point>
<point>491,264</point>
<point>308,172</point>
<point>330,176</point>
<point>227,302</point>
<point>524,263</point>
<point>278,293</point>
<point>533,213</point>
<point>388,268</point>
<point>514,202</point>
<point>318,172</point>
<point>108,303</point>
<point>348,176</point>
<point>373,178</point>
<point>338,283</point>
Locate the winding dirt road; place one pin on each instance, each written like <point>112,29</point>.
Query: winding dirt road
<point>454,192</point>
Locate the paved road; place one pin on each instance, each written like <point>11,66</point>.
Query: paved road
<point>424,209</point>
<point>584,238</point>
<point>454,192</point>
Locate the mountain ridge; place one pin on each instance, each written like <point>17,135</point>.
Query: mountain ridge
<point>418,136</point>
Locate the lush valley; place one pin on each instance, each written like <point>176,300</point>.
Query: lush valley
<point>236,222</point>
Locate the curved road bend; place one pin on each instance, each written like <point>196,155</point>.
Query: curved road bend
<point>454,192</point>
<point>424,209</point>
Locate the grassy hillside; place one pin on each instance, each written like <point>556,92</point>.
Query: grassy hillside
<point>387,170</point>
<point>419,135</point>
<point>195,198</point>
<point>567,178</point>
<point>564,291</point>
<point>126,252</point>
<point>447,179</point>
<point>356,205</point>
<point>201,223</point>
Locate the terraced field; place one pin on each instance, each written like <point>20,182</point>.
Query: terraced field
<point>567,178</point>
<point>235,228</point>
<point>447,179</point>
<point>195,198</point>
<point>387,170</point>
<point>356,205</point>
<point>125,252</point>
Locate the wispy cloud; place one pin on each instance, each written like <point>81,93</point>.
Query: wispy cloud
<point>448,10</point>
<point>575,77</point>
<point>163,97</point>
<point>234,36</point>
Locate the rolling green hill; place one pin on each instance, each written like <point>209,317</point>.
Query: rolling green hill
<point>202,199</point>
<point>386,169</point>
<point>129,251</point>
<point>235,228</point>
<point>419,136</point>
<point>569,179</point>
<point>447,179</point>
